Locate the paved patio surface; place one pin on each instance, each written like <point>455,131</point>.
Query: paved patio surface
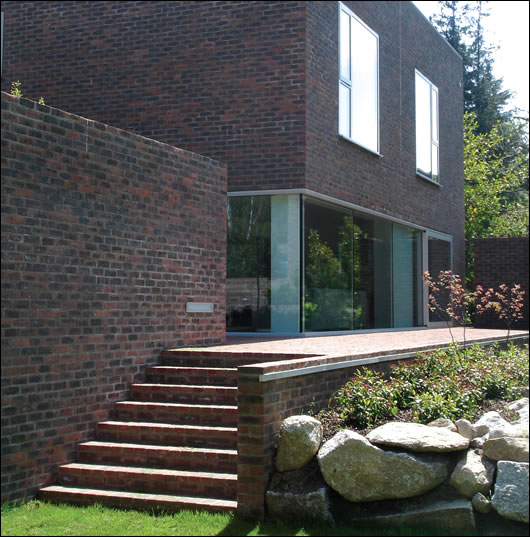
<point>363,344</point>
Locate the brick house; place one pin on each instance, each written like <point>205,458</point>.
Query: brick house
<point>344,170</point>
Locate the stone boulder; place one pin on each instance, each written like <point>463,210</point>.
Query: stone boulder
<point>480,503</point>
<point>510,498</point>
<point>507,448</point>
<point>361,472</point>
<point>495,426</point>
<point>521,407</point>
<point>472,474</point>
<point>300,438</point>
<point>299,494</point>
<point>417,437</point>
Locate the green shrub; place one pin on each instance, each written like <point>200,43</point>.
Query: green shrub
<point>439,384</point>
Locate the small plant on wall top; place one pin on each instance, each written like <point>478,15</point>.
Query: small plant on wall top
<point>17,92</point>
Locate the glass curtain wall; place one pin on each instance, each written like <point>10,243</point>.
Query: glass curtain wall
<point>296,264</point>
<point>439,259</point>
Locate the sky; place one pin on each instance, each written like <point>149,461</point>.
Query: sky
<point>507,27</point>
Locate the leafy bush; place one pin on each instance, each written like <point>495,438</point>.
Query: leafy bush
<point>438,384</point>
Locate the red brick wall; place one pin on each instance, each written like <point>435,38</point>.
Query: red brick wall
<point>254,85</point>
<point>388,183</point>
<point>105,237</point>
<point>222,79</point>
<point>498,261</point>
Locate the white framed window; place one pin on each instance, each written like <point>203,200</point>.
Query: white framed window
<point>427,141</point>
<point>358,81</point>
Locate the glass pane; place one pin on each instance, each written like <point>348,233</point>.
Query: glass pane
<point>285,263</point>
<point>344,110</point>
<point>328,267</point>
<point>372,272</point>
<point>434,114</point>
<point>407,286</point>
<point>345,72</point>
<point>423,125</point>
<point>435,162</point>
<point>439,257</point>
<point>248,278</point>
<point>365,99</point>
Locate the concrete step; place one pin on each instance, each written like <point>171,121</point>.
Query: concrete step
<point>167,434</point>
<point>149,480</point>
<point>184,393</point>
<point>173,457</point>
<point>211,376</point>
<point>133,500</point>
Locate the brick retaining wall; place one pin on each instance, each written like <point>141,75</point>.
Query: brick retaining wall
<point>106,236</point>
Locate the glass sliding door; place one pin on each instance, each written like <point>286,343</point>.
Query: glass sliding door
<point>248,272</point>
<point>328,267</point>
<point>407,265</point>
<point>373,272</point>
<point>439,258</point>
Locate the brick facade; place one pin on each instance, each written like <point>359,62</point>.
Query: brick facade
<point>498,261</point>
<point>254,85</point>
<point>106,236</point>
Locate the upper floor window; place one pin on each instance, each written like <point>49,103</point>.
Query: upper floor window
<point>427,143</point>
<point>358,81</point>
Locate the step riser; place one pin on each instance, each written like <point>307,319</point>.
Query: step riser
<point>199,395</point>
<point>156,503</point>
<point>184,460</point>
<point>197,360</point>
<point>194,376</point>
<point>180,437</point>
<point>151,483</point>
<point>129,411</point>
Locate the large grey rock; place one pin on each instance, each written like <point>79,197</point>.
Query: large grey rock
<point>417,437</point>
<point>507,448</point>
<point>493,424</point>
<point>300,438</point>
<point>510,499</point>
<point>473,473</point>
<point>361,472</point>
<point>452,516</point>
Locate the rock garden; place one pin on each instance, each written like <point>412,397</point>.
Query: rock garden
<point>441,444</point>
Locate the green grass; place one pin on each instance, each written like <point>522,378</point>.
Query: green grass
<point>41,518</point>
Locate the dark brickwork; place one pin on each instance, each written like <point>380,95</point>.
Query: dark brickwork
<point>222,79</point>
<point>388,183</point>
<point>498,261</point>
<point>106,236</point>
<point>254,85</point>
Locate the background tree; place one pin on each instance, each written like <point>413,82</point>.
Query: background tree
<point>495,138</point>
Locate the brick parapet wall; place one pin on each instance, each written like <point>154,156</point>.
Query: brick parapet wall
<point>106,235</point>
<point>497,261</point>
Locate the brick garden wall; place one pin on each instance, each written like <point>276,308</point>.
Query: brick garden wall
<point>105,237</point>
<point>502,260</point>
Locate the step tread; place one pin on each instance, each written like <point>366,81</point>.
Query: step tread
<point>191,367</point>
<point>155,425</point>
<point>99,494</point>
<point>177,405</point>
<point>183,386</point>
<point>110,468</point>
<point>146,447</point>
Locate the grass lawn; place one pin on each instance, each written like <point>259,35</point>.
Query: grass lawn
<point>40,518</point>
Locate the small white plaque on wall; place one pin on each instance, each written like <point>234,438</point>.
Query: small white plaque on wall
<point>199,307</point>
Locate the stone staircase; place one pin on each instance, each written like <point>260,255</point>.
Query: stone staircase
<point>173,446</point>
